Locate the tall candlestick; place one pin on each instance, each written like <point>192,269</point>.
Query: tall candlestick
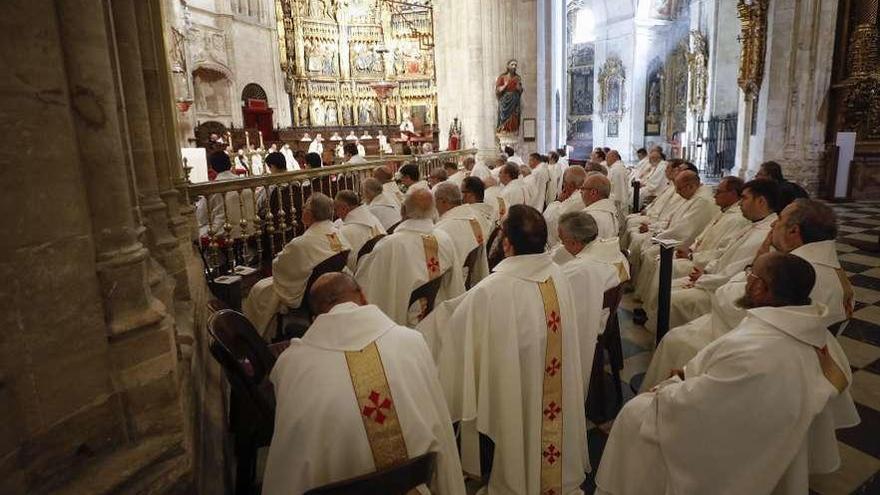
<point>261,141</point>
<point>247,140</point>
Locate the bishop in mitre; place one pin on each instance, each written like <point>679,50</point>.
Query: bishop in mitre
<point>378,383</point>
<point>754,412</point>
<point>508,353</point>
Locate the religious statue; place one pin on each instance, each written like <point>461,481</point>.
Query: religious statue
<point>454,135</point>
<point>317,113</point>
<point>346,115</point>
<point>365,112</point>
<point>330,118</point>
<point>508,90</point>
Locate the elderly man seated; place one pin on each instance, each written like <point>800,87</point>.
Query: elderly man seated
<point>754,412</point>
<point>382,204</point>
<point>596,193</point>
<point>466,227</point>
<point>293,266</point>
<point>570,199</point>
<point>660,210</point>
<point>392,190</point>
<point>581,247</point>
<point>473,193</point>
<point>373,398</point>
<point>413,255</point>
<point>359,225</point>
<point>514,190</point>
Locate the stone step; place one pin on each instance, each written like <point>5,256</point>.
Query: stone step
<point>157,465</point>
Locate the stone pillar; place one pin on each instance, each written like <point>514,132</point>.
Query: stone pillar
<point>139,126</point>
<point>157,89</point>
<point>797,75</point>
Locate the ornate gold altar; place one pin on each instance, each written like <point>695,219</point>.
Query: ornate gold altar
<point>336,55</point>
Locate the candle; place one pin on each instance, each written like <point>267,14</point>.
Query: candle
<point>247,140</point>
<point>261,141</point>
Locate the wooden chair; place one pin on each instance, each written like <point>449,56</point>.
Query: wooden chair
<point>397,480</point>
<point>247,361</point>
<point>469,263</point>
<point>368,246</point>
<point>390,230</point>
<point>494,252</point>
<point>609,341</point>
<point>428,293</point>
<point>299,319</point>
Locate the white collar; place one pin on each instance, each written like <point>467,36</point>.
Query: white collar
<point>460,212</point>
<point>420,225</point>
<point>360,216</point>
<point>804,323</point>
<point>819,253</point>
<point>348,327</point>
<point>533,267</point>
<point>320,228</point>
<point>605,205</point>
<point>604,250</point>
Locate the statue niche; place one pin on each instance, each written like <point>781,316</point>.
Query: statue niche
<point>654,98</point>
<point>211,92</point>
<point>612,92</point>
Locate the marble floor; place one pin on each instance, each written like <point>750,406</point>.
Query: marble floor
<point>859,446</point>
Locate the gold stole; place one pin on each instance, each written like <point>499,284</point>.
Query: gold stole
<point>502,208</point>
<point>377,407</point>
<point>335,244</point>
<point>478,231</point>
<point>551,400</point>
<point>830,369</point>
<point>432,259</point>
<point>848,293</point>
<point>622,275</point>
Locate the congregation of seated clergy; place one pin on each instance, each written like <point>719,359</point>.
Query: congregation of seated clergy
<point>464,313</point>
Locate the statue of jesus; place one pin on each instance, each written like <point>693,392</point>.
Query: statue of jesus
<point>508,90</point>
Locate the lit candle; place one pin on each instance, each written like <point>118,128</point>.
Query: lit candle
<point>261,141</point>
<point>247,140</point>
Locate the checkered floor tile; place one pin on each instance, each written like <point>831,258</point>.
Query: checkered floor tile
<point>859,252</point>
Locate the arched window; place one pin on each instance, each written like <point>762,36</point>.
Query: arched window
<point>584,27</point>
<point>253,92</point>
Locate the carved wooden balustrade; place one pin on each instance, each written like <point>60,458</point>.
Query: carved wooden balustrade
<point>263,213</point>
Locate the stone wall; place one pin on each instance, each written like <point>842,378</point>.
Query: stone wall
<point>89,369</point>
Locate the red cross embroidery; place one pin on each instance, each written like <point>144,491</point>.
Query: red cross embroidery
<point>553,321</point>
<point>433,265</point>
<point>552,410</point>
<point>551,454</point>
<point>374,411</point>
<point>555,364</point>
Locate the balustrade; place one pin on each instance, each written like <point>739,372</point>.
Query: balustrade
<point>260,214</point>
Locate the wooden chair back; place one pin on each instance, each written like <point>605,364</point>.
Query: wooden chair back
<point>397,480</point>
<point>368,246</point>
<point>427,292</point>
<point>469,263</point>
<point>335,263</point>
<point>494,252</point>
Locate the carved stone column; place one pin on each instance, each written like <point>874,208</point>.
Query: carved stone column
<point>162,123</point>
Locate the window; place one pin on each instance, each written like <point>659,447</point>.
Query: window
<point>584,29</point>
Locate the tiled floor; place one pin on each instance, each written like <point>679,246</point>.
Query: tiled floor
<point>860,445</point>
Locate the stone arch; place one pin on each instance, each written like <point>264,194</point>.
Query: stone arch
<point>253,91</point>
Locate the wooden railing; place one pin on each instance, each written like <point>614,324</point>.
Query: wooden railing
<point>250,219</point>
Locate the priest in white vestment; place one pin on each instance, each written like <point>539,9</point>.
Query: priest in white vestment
<point>694,212</point>
<point>707,247</point>
<point>389,186</point>
<point>290,160</point>
<point>595,193</point>
<point>293,266</point>
<point>453,174</point>
<point>509,358</point>
<point>691,295</point>
<point>659,211</point>
<point>620,184</point>
<point>359,225</point>
<point>382,204</point>
<point>468,230</point>
<point>754,412</point>
<point>413,255</point>
<point>654,179</point>
<point>473,193</point>
<point>542,188</point>
<point>356,394</point>
<point>480,170</point>
<point>570,200</point>
<point>806,229</point>
<point>557,169</point>
<point>410,177</point>
<point>493,195</point>
<point>212,213</point>
<point>599,264</point>
<point>514,191</point>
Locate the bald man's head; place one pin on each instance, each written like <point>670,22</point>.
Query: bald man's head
<point>687,183</point>
<point>383,174</point>
<point>334,288</point>
<point>419,205</point>
<point>572,180</point>
<point>596,188</point>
